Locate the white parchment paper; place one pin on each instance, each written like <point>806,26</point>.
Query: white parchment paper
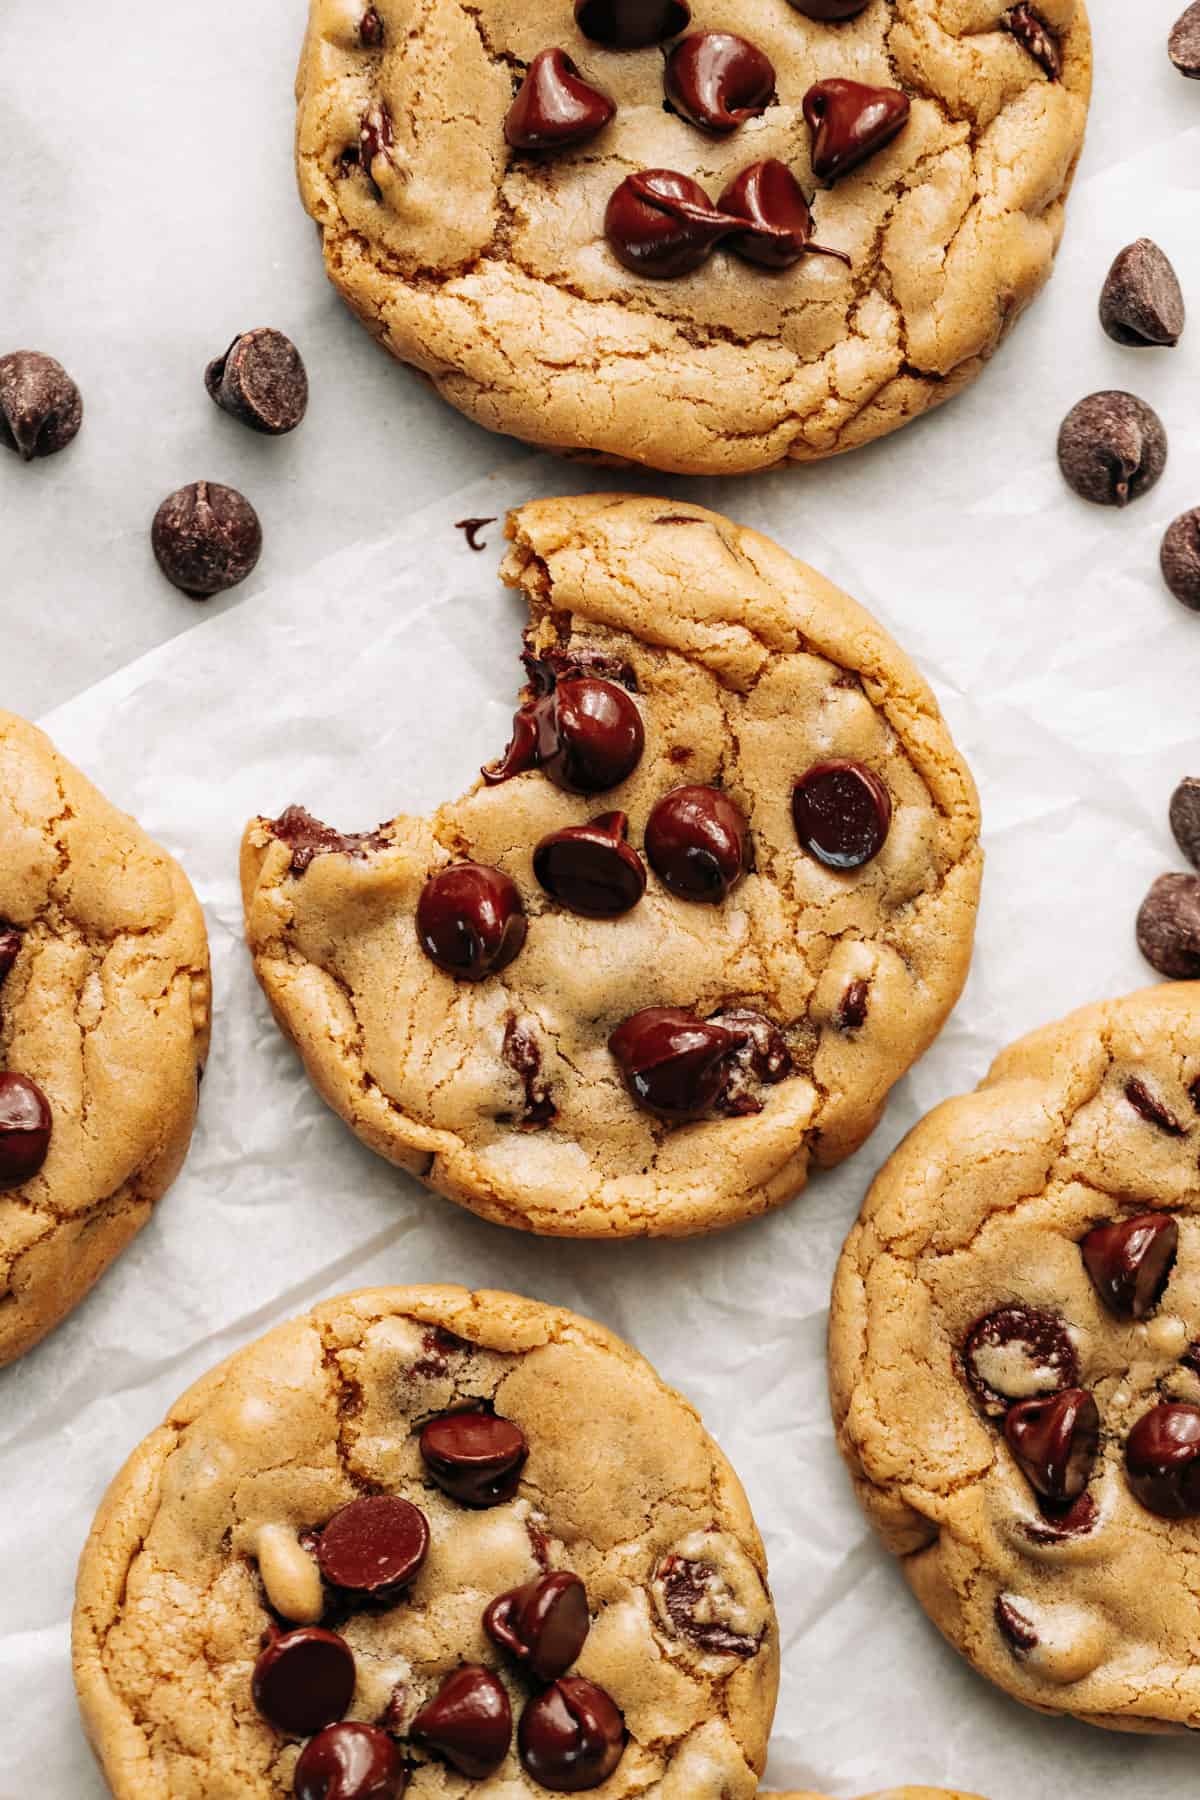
<point>146,212</point>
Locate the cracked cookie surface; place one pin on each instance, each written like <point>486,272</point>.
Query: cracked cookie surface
<point>489,271</point>
<point>104,1004</point>
<point>747,668</point>
<point>980,1299</point>
<point>621,1479</point>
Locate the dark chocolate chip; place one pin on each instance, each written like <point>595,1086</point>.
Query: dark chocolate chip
<point>675,1065</point>
<point>698,843</point>
<point>849,122</point>
<point>691,1593</point>
<point>1168,927</point>
<point>1184,814</point>
<point>1112,448</point>
<point>350,1762</point>
<point>842,813</point>
<point>375,137</point>
<point>468,1722</point>
<point>852,1013</point>
<point>10,947</point>
<point>261,381</point>
<point>761,1061</point>
<point>1162,1461</point>
<point>631,24</point>
<point>1183,45</point>
<point>309,838</point>
<point>1151,1107</point>
<point>370,30</point>
<point>1055,1441</point>
<point>1130,1262</point>
<point>470,920</point>
<point>662,224</point>
<point>543,1624</point>
<point>590,868</point>
<point>780,222</point>
<point>586,733</point>
<point>206,538</point>
<point>471,528</point>
<point>304,1680</point>
<point>555,107</point>
<point>1018,1353</point>
<point>1179,558</point>
<point>475,1457</point>
<point>1034,35</point>
<point>1074,1518</point>
<point>828,11</point>
<point>1141,302</point>
<point>373,1544</point>
<point>523,1055</point>
<point>571,1737</point>
<point>26,1123</point>
<point>718,81</point>
<point>41,409</point>
<point>1015,1627</point>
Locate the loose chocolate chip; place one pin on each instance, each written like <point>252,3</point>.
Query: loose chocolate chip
<point>1112,448</point>
<point>586,733</point>
<point>780,223</point>
<point>207,538</point>
<point>830,10</point>
<point>1055,1441</point>
<point>475,1457</point>
<point>1162,1461</point>
<point>691,1594</point>
<point>842,813</point>
<point>852,1013</point>
<point>631,24</point>
<point>849,122</point>
<point>590,868</point>
<point>309,838</point>
<point>1141,302</point>
<point>543,1624</point>
<point>1168,927</point>
<point>261,381</point>
<point>1018,1353</point>
<point>718,81</point>
<point>10,946</point>
<point>373,1544</point>
<point>1075,1518</point>
<point>662,224</point>
<point>571,1737</point>
<point>350,1762</point>
<point>1034,35</point>
<point>1130,1262</point>
<point>304,1680</point>
<point>470,920</point>
<point>698,843</point>
<point>1151,1107</point>
<point>555,107</point>
<point>471,528</point>
<point>370,30</point>
<point>25,1126</point>
<point>1180,558</point>
<point>41,409</point>
<point>1015,1627</point>
<point>468,1721</point>
<point>1184,814</point>
<point>1183,45</point>
<point>675,1065</point>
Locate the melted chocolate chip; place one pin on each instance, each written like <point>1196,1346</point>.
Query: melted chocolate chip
<point>10,947</point>
<point>370,30</point>
<point>1015,1627</point>
<point>350,1762</point>
<point>1151,1108</point>
<point>555,107</point>
<point>688,1590</point>
<point>779,219</point>
<point>852,1013</point>
<point>718,81</point>
<point>475,1457</point>
<point>41,409</point>
<point>543,1624</point>
<point>828,11</point>
<point>631,24</point>
<point>1112,448</point>
<point>374,1545</point>
<point>1018,1353</point>
<point>261,381</point>
<point>585,733</point>
<point>1168,927</point>
<point>1130,1262</point>
<point>762,1060</point>
<point>590,868</point>
<point>471,528</point>
<point>303,1680</point>
<point>468,1722</point>
<point>1162,1461</point>
<point>675,1065</point>
<point>1055,1440</point>
<point>26,1124</point>
<point>206,539</point>
<point>1142,302</point>
<point>842,813</point>
<point>309,838</point>
<point>572,1736</point>
<point>698,844</point>
<point>375,138</point>
<point>849,122</point>
<point>1185,818</point>
<point>1034,35</point>
<point>524,1057</point>
<point>1073,1518</point>
<point>470,920</point>
<point>662,224</point>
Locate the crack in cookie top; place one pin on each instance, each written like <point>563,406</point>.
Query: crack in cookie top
<point>104,1015</point>
<point>687,930</point>
<point>419,1540</point>
<point>1014,1363</point>
<point>591,226</point>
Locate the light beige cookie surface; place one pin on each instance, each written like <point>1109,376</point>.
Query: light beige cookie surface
<point>104,1006</point>
<point>966,1291</point>
<point>748,669</point>
<point>197,1549</point>
<point>490,270</point>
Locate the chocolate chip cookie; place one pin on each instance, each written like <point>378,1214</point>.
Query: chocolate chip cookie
<point>685,933</point>
<point>422,1539</point>
<point>104,1014</point>
<point>704,237</point>
<point>1014,1360</point>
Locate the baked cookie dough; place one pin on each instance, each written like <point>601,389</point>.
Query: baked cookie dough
<point>488,268</point>
<point>1014,1364</point>
<point>104,1016</point>
<point>380,1472</point>
<point>795,892</point>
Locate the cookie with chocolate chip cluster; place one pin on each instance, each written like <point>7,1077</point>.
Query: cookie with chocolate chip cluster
<point>687,930</point>
<point>706,237</point>
<point>1014,1355</point>
<point>104,1017</point>
<point>426,1541</point>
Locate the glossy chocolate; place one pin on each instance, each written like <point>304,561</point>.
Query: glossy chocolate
<point>475,1457</point>
<point>718,80</point>
<point>26,1125</point>
<point>675,1065</point>
<point>470,920</point>
<point>1034,35</point>
<point>662,224</point>
<point>590,868</point>
<point>1162,1461</point>
<point>468,1722</point>
<point>543,1624</point>
<point>571,1737</point>
<point>631,24</point>
<point>555,107</point>
<point>303,1680</point>
<point>1018,1353</point>
<point>842,813</point>
<point>698,843</point>
<point>584,732</point>
<point>849,122</point>
<point>309,838</point>
<point>350,1762</point>
<point>779,221</point>
<point>761,1061</point>
<point>1130,1262</point>
<point>1055,1441</point>
<point>373,1545</point>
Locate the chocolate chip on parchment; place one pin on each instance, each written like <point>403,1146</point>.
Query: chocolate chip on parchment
<point>1179,558</point>
<point>40,406</point>
<point>1141,302</point>
<point>1112,448</point>
<point>1183,45</point>
<point>1168,927</point>
<point>207,538</point>
<point>470,529</point>
<point>261,381</point>
<point>1184,814</point>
